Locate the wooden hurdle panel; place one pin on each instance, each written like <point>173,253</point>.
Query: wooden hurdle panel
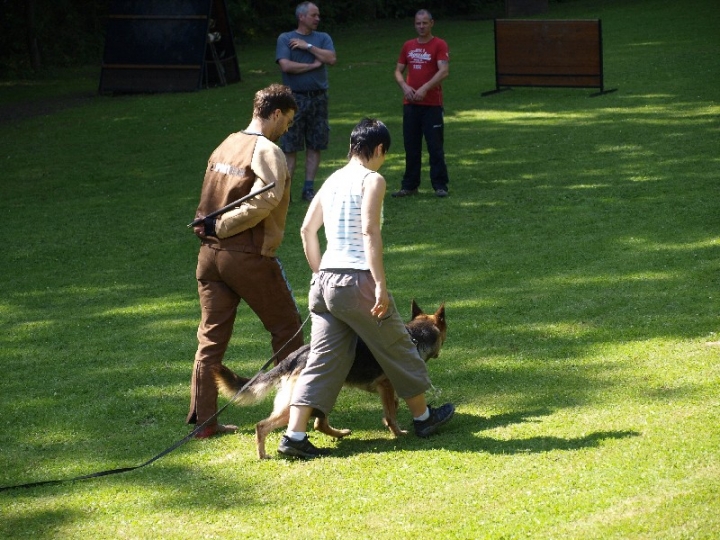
<point>554,53</point>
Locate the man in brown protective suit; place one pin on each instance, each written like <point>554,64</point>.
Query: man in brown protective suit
<point>237,257</point>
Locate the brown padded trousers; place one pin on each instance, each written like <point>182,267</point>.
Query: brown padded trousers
<point>224,279</point>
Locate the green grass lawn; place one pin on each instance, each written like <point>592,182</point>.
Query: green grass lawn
<point>578,255</point>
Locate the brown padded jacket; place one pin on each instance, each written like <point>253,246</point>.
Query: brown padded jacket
<point>243,163</point>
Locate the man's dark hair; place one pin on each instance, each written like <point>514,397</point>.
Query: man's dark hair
<point>366,136</point>
<point>275,96</point>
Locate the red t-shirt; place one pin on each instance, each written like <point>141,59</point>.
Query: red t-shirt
<point>421,60</point>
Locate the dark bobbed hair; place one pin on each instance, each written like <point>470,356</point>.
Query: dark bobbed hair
<point>275,96</point>
<point>366,136</point>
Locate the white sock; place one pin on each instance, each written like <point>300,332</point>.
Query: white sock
<point>424,416</point>
<point>295,435</point>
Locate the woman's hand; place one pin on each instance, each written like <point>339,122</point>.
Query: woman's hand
<point>382,302</point>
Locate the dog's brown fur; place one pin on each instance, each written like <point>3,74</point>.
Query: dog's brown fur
<point>427,331</point>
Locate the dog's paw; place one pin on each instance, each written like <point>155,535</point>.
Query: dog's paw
<point>336,433</point>
<point>323,426</point>
<point>394,428</point>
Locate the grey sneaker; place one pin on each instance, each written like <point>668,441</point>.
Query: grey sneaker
<point>405,193</point>
<point>438,417</point>
<point>441,193</point>
<point>303,449</point>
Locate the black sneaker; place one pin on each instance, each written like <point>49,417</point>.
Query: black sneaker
<point>308,194</point>
<point>301,449</point>
<point>438,417</point>
<point>405,193</point>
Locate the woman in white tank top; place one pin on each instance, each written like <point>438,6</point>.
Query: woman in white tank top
<point>349,298</point>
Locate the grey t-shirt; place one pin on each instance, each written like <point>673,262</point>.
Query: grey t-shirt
<point>317,79</point>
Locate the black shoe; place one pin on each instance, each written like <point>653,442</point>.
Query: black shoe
<point>438,417</point>
<point>308,194</point>
<point>301,449</point>
<point>405,193</point>
<point>441,193</point>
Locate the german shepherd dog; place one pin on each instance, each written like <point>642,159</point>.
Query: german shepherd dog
<point>427,331</point>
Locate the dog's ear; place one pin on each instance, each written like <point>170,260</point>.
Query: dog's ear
<point>440,313</point>
<point>440,318</point>
<point>415,310</point>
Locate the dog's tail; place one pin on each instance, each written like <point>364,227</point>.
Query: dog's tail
<point>229,382</point>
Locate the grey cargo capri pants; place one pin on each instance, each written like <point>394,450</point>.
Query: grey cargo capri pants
<point>340,302</point>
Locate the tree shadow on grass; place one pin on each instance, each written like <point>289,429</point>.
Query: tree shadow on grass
<point>171,487</point>
<point>533,445</point>
<point>536,445</point>
<point>456,437</point>
<point>42,523</point>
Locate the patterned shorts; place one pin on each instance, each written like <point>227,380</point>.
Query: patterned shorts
<point>310,126</point>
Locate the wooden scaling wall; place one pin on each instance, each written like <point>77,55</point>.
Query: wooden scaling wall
<point>167,46</point>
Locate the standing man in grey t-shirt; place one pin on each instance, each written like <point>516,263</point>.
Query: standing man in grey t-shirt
<point>303,56</point>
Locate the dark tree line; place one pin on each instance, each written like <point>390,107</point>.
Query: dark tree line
<point>38,34</point>
<point>43,33</point>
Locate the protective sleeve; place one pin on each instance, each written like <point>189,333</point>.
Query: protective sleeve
<point>269,165</point>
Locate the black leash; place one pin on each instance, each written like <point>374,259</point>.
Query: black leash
<point>171,448</point>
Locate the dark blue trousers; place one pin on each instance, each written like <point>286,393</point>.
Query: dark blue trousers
<point>421,121</point>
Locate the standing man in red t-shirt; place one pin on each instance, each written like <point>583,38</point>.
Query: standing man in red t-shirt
<point>427,61</point>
